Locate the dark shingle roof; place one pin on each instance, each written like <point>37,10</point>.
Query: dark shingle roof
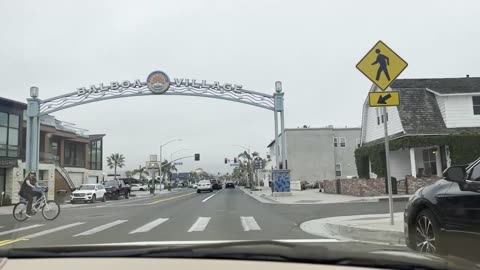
<point>442,85</point>
<point>419,112</point>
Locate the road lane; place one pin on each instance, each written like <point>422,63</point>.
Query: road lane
<point>227,215</point>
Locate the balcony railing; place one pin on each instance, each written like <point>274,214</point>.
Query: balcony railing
<point>49,158</point>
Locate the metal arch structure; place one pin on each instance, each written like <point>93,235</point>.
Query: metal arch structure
<point>73,99</point>
<point>180,87</point>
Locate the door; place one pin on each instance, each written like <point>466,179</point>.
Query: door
<point>462,211</point>
<point>100,191</point>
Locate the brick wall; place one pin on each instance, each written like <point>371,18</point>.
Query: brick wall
<point>375,187</point>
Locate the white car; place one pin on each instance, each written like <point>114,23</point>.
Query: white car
<point>88,193</point>
<point>204,185</point>
<point>138,187</point>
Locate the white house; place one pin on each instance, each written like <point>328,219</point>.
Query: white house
<point>430,112</point>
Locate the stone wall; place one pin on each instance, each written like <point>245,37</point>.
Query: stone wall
<point>375,186</point>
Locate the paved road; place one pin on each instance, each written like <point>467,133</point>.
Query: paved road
<point>229,214</point>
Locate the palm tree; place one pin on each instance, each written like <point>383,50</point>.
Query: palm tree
<point>114,161</point>
<point>141,172</point>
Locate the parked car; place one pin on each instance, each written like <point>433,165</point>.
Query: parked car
<point>444,216</point>
<point>88,193</point>
<point>138,187</point>
<point>216,185</point>
<point>116,188</point>
<point>229,184</point>
<point>195,186</point>
<point>204,185</point>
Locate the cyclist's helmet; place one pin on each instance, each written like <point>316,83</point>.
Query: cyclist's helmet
<point>32,172</point>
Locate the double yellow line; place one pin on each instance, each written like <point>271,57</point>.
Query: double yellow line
<point>7,242</point>
<point>171,198</point>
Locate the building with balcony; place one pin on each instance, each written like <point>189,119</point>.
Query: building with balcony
<point>68,156</point>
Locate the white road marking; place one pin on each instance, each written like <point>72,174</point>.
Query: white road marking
<point>101,228</point>
<point>147,227</point>
<point>53,230</point>
<point>249,224</point>
<point>206,199</point>
<point>200,224</point>
<point>21,229</point>
<point>200,242</point>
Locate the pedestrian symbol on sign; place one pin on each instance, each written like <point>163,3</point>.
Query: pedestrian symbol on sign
<point>382,62</point>
<point>381,65</point>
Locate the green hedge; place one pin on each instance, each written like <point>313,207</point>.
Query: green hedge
<point>463,149</point>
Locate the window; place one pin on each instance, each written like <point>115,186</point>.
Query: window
<point>430,161</point>
<point>74,154</point>
<point>475,173</point>
<point>357,143</point>
<point>476,105</point>
<point>96,155</point>
<point>343,142</point>
<point>338,169</point>
<point>335,141</point>
<point>9,133</point>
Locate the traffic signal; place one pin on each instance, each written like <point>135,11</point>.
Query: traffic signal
<point>226,160</point>
<point>234,160</point>
<point>197,157</point>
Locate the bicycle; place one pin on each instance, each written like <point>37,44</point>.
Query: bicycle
<point>50,209</point>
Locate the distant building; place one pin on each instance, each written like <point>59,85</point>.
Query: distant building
<point>315,154</point>
<point>68,157</point>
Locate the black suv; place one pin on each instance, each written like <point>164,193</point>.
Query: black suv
<point>216,185</point>
<point>444,216</point>
<point>116,188</point>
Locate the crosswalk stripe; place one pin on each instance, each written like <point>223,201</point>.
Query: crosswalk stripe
<point>249,224</point>
<point>21,229</point>
<point>101,228</point>
<point>200,224</point>
<point>53,230</point>
<point>147,227</point>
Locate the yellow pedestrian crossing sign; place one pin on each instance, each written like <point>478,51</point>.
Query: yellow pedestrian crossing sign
<point>383,99</point>
<point>381,65</point>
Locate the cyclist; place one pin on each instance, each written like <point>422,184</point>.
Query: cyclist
<point>27,190</point>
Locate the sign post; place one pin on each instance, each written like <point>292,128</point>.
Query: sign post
<point>382,66</point>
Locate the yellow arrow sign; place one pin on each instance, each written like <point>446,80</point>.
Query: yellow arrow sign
<point>382,99</point>
<point>381,65</point>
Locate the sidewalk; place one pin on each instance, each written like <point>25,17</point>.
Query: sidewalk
<point>365,228</point>
<point>313,196</point>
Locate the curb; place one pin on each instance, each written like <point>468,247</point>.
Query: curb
<point>331,228</point>
<point>261,199</point>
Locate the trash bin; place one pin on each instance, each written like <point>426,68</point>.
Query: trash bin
<point>60,196</point>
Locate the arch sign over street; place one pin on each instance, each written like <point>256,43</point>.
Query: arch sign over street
<point>156,83</point>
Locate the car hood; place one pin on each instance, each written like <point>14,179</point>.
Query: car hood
<point>289,250</point>
<point>82,191</point>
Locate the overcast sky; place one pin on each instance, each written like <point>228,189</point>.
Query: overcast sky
<point>311,46</point>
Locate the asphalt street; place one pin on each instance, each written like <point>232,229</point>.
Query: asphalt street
<point>228,214</point>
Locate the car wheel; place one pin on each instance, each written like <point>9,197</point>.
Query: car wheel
<point>211,190</point>
<point>127,195</point>
<point>94,198</point>
<point>104,198</point>
<point>72,202</point>
<point>198,191</point>
<point>427,233</point>
<point>116,196</point>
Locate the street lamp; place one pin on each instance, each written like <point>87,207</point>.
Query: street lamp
<point>278,86</point>
<point>34,92</point>
<point>160,166</point>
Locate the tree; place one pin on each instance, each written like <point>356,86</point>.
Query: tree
<point>114,161</point>
<point>141,172</point>
<point>167,169</point>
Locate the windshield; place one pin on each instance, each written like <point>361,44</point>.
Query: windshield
<point>339,125</point>
<point>110,183</point>
<point>86,187</point>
